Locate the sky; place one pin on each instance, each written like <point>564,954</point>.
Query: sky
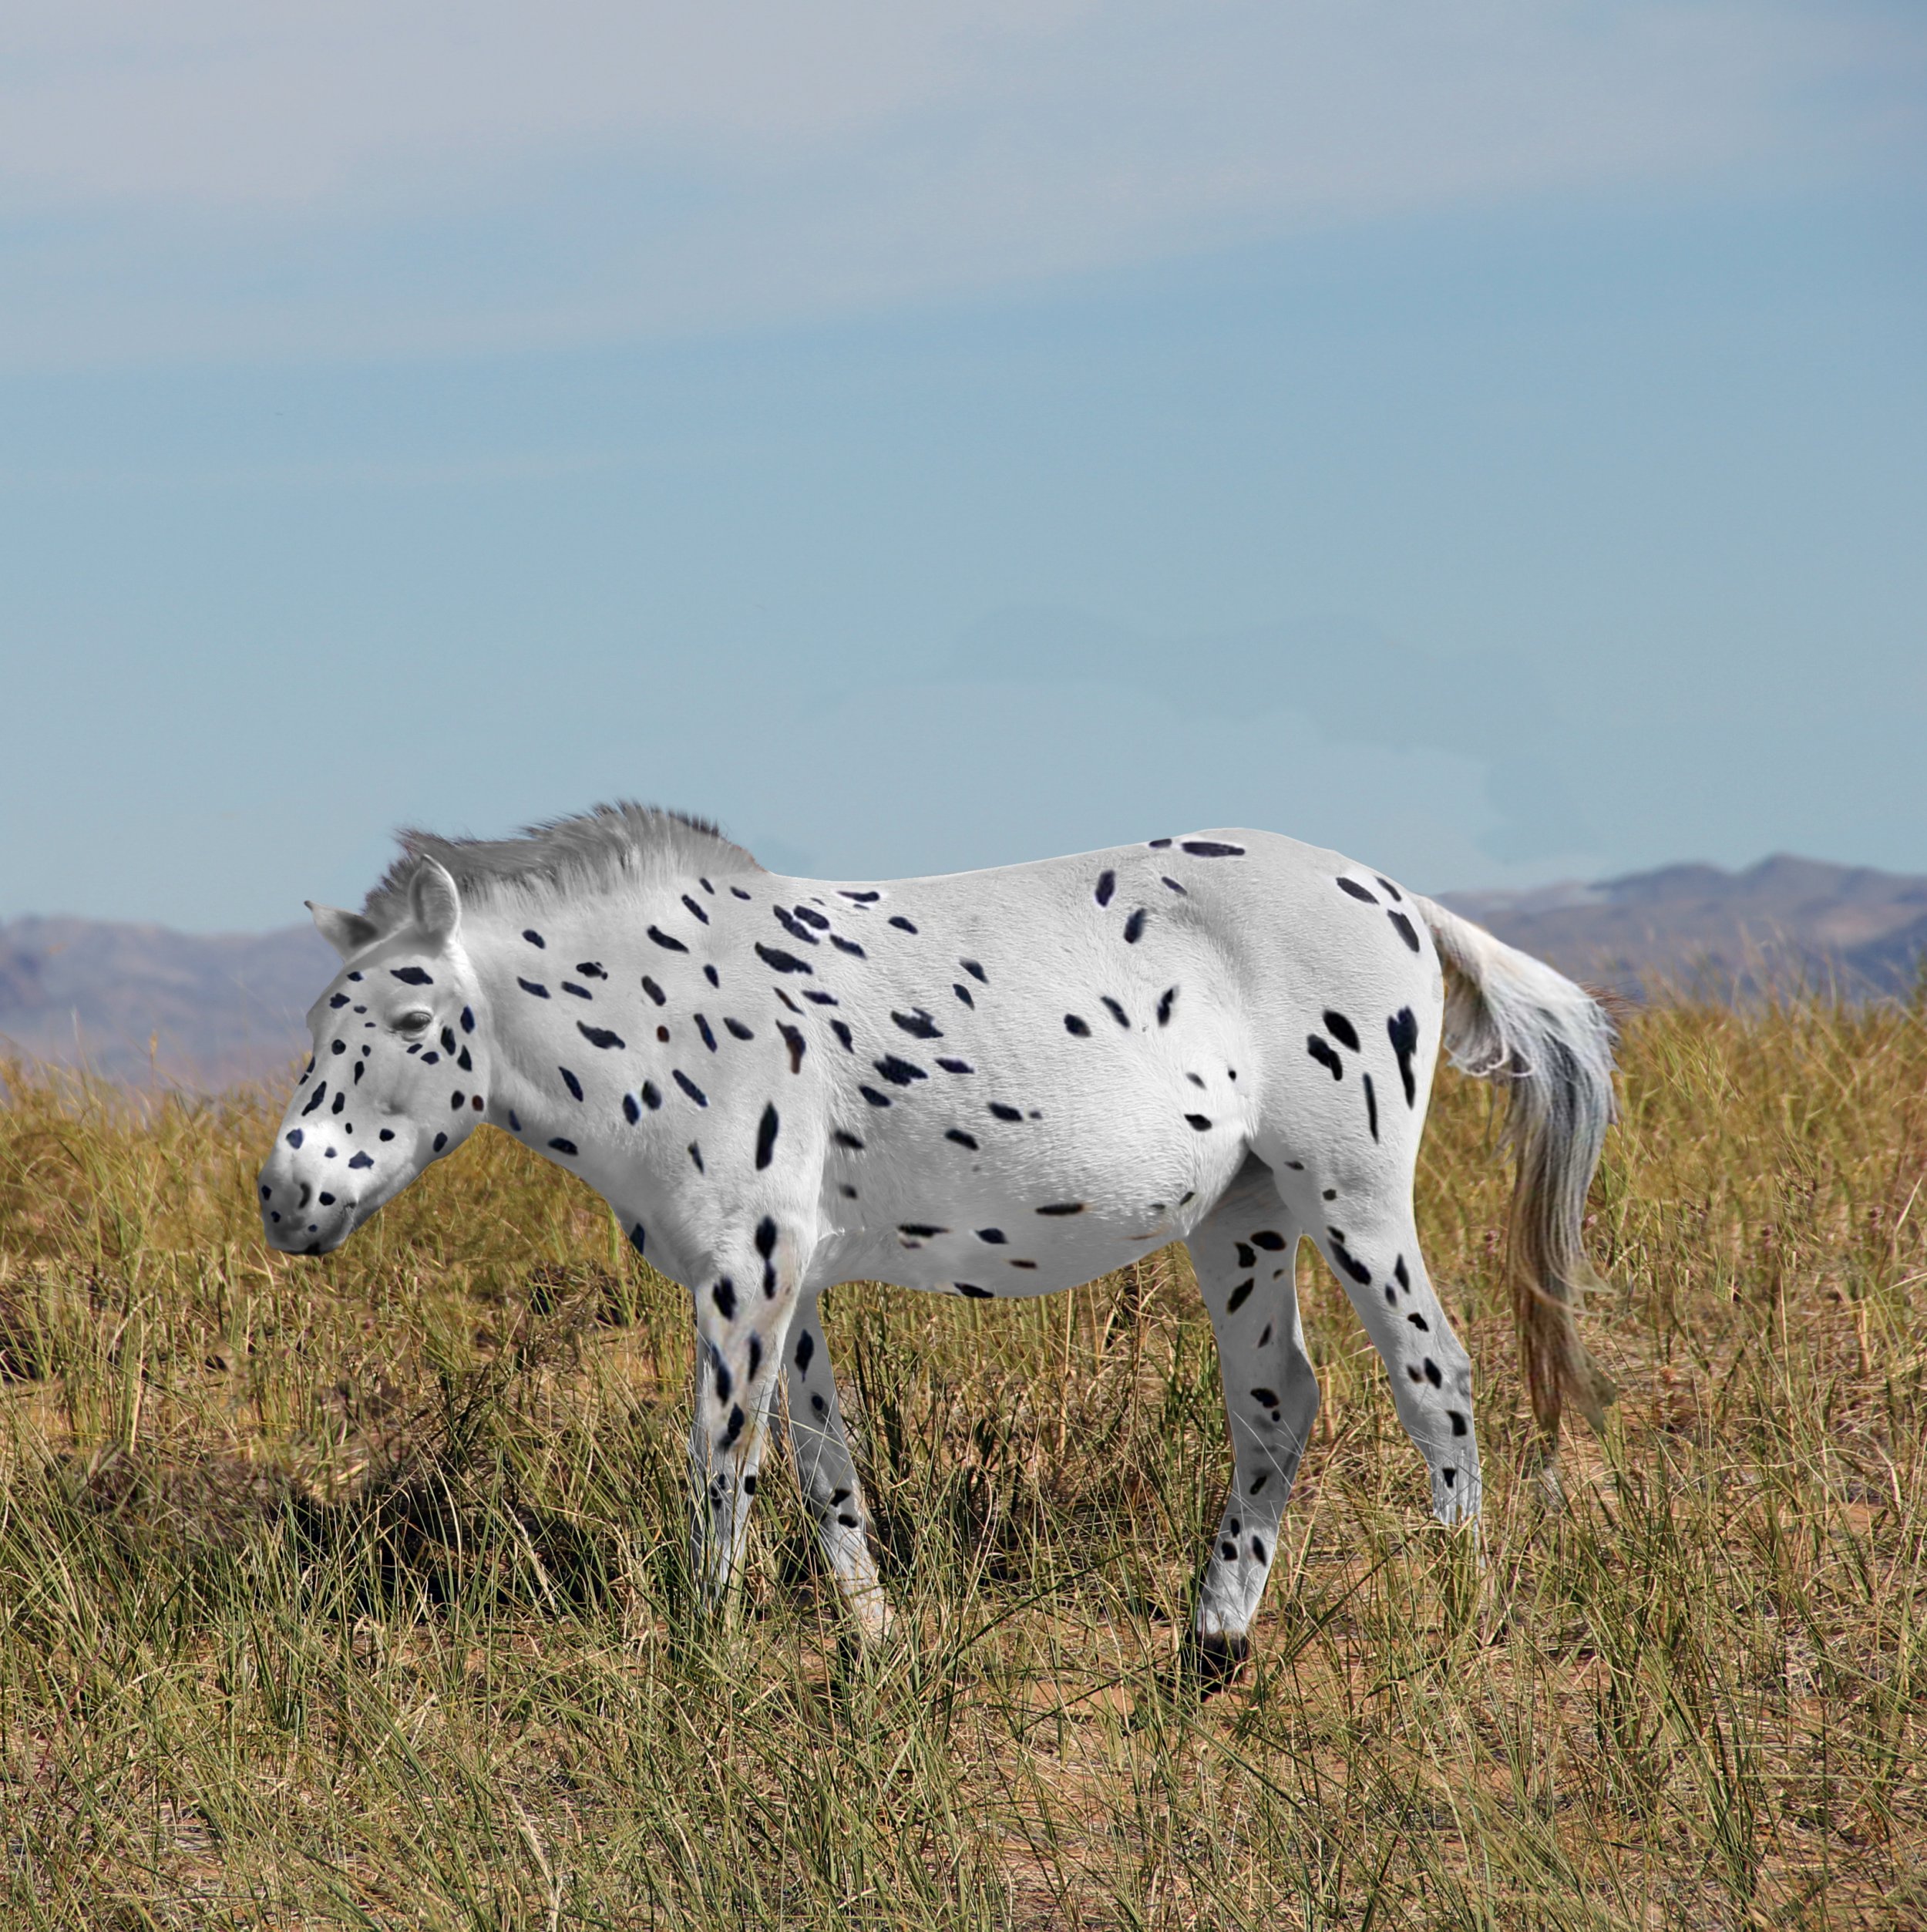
<point>1486,437</point>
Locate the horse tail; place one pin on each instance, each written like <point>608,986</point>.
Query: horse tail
<point>1511,1019</point>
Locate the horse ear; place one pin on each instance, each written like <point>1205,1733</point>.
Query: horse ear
<point>434,902</point>
<point>348,933</point>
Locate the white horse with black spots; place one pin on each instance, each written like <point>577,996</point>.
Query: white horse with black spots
<point>989,1084</point>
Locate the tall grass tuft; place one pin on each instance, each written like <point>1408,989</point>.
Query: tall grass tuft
<point>354,1592</point>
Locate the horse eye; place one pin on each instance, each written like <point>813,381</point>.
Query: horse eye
<point>414,1022</point>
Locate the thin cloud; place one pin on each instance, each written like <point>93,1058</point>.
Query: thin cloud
<point>212,180</point>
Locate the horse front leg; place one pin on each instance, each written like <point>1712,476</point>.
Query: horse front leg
<point>743,1311</point>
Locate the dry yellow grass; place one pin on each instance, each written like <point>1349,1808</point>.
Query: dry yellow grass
<point>352,1593</point>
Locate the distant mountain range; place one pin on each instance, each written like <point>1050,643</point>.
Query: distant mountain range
<point>142,1004</point>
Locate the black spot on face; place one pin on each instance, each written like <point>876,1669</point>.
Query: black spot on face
<point>1198,1122</point>
<point>630,1112</point>
<point>1078,1028</point>
<point>1133,926</point>
<point>340,1000</point>
<point>920,1231</point>
<point>1341,1029</point>
<point>849,1140</point>
<point>1325,1055</point>
<point>695,1154</point>
<point>533,937</point>
<point>560,1145</point>
<point>1107,885</point>
<point>410,975</point>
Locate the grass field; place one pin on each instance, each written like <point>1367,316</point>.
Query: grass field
<point>354,1592</point>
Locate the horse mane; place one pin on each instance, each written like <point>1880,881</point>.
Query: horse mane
<point>599,850</point>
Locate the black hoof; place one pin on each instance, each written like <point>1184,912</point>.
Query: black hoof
<point>1215,1661</point>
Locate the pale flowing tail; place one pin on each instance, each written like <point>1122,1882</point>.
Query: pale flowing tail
<point>1511,1019</point>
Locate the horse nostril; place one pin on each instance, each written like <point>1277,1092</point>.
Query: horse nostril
<point>307,1190</point>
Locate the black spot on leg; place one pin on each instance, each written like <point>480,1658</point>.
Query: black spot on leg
<point>875,1099</point>
<point>1432,1375</point>
<point>1371,1105</point>
<point>1388,887</point>
<point>781,962</point>
<point>975,1293</point>
<point>600,1036</point>
<point>963,993</point>
<point>1269,1240</point>
<point>1320,1051</point>
<point>1402,1030</point>
<point>961,1138</point>
<point>1449,1477</point>
<point>724,1295</point>
<point>1116,1011</point>
<point>975,970</point>
<point>1107,884</point>
<point>1348,1261</point>
<point>1211,849</point>
<point>845,1140</point>
<point>663,940</point>
<point>655,991</point>
<point>737,1030</point>
<point>570,1082</point>
<point>843,1032</point>
<point>1198,1122</point>
<point>766,1135</point>
<point>703,1028</point>
<point>1458,1422</point>
<point>1133,926</point>
<point>793,1039</point>
<point>560,1147</point>
<point>1246,1259</point>
<point>899,1072</point>
<point>1077,1029</point>
<point>1400,1275</point>
<point>1357,891</point>
<point>1165,1003</point>
<point>805,1352</point>
<point>999,1111</point>
<point>918,1024</point>
<point>690,1087</point>
<point>1403,926</point>
<point>530,986</point>
<point>1239,1296</point>
<point>1062,1207</point>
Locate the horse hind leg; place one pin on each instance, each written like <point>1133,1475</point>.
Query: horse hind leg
<point>1243,1253</point>
<point>1372,1248</point>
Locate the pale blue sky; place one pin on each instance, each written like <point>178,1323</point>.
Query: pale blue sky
<point>1486,438</point>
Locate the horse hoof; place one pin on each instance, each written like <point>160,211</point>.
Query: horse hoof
<point>1215,1660</point>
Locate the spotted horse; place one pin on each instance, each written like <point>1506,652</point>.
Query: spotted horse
<point>988,1084</point>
